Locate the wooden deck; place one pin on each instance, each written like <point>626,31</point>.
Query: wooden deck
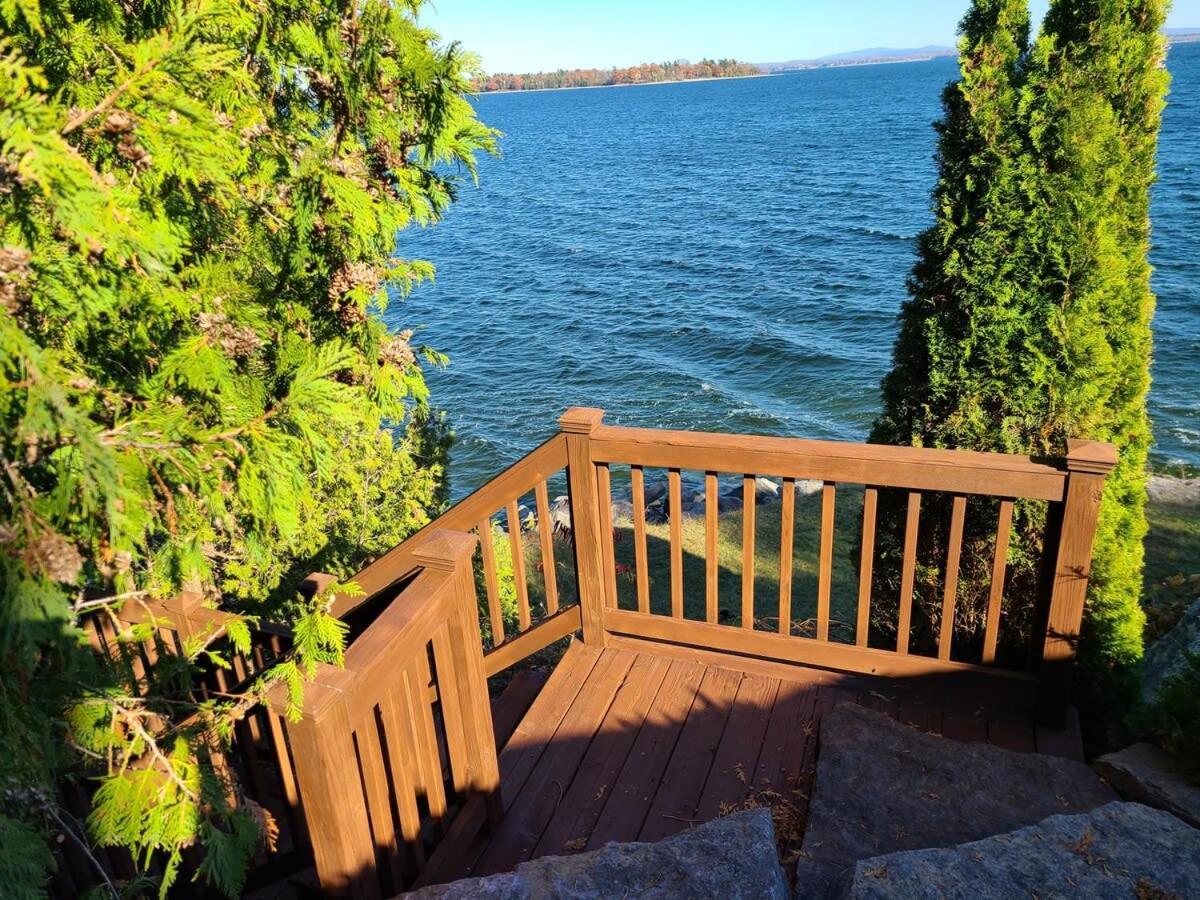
<point>638,741</point>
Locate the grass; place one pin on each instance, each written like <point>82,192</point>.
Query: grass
<point>1172,572</point>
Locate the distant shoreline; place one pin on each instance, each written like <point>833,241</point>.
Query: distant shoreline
<point>631,84</point>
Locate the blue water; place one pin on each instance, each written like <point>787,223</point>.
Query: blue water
<point>727,255</point>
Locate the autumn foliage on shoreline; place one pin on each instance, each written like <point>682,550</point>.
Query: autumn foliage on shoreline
<point>646,73</point>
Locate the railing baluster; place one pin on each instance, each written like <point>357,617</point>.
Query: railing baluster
<point>787,530</point>
<point>866,565</point>
<point>518,565</point>
<point>675,498</point>
<point>748,509</point>
<point>287,775</point>
<point>950,594</point>
<point>825,576</point>
<point>491,581</point>
<point>607,550</point>
<point>907,574</point>
<point>375,787</point>
<point>427,775</point>
<point>711,533</point>
<point>398,723</point>
<point>546,534</point>
<point>641,566</point>
<point>457,738</point>
<point>991,631</point>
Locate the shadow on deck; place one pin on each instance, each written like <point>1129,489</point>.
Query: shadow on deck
<point>640,740</point>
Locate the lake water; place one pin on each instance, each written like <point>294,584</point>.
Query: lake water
<point>727,255</point>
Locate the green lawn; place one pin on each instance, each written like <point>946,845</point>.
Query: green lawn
<point>1172,574</point>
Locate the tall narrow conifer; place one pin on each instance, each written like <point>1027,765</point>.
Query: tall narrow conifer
<point>1029,315</point>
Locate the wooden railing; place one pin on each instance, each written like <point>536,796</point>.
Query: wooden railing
<point>256,767</point>
<point>1071,487</point>
<point>397,748</point>
<point>394,759</point>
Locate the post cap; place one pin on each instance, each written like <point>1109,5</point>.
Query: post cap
<point>581,420</point>
<point>1091,457</point>
<point>329,683</point>
<point>316,583</point>
<point>443,549</point>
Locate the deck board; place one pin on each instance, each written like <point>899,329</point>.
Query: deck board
<point>575,818</point>
<point>783,744</point>
<point>547,784</point>
<point>736,760</point>
<point>631,742</point>
<point>623,815</point>
<point>674,805</point>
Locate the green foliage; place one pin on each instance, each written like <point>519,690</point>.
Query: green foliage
<point>1029,313</point>
<point>24,859</point>
<point>506,584</point>
<point>1176,716</point>
<point>198,207</point>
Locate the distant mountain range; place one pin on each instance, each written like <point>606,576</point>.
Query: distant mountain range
<point>862,57</point>
<point>912,54</point>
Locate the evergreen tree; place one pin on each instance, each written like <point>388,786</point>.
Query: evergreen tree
<point>198,208</point>
<point>965,331</point>
<point>1096,91</point>
<point>1028,320</point>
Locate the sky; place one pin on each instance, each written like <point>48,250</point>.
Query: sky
<point>543,35</point>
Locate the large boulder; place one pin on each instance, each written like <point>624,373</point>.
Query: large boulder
<point>1118,850</point>
<point>1166,656</point>
<point>1145,774</point>
<point>732,857</point>
<point>882,786</point>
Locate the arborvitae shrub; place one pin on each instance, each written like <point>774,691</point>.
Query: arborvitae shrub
<point>199,203</point>
<point>1028,320</point>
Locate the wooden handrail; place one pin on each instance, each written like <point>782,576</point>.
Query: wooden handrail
<point>1071,485</point>
<point>398,563</point>
<point>912,468</point>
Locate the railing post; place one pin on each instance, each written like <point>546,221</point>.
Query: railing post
<point>451,552</point>
<point>1088,463</point>
<point>578,423</point>
<point>322,745</point>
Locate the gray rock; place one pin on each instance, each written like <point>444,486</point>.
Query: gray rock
<point>882,786</point>
<point>1169,489</point>
<point>1148,775</point>
<point>1119,850</point>
<point>1165,657</point>
<point>729,501</point>
<point>765,490</point>
<point>560,515</point>
<point>733,857</point>
<point>622,510</point>
<point>807,486</point>
<point>655,490</point>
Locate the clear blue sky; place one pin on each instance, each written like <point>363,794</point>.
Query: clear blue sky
<point>541,35</point>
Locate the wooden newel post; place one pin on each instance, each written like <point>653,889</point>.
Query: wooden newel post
<point>322,745</point>
<point>1088,463</point>
<point>451,552</point>
<point>578,424</point>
